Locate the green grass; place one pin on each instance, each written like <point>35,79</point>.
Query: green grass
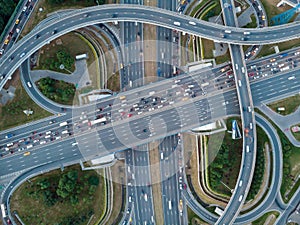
<point>29,203</point>
<point>230,170</point>
<point>259,170</point>
<point>193,218</point>
<point>290,104</point>
<point>291,156</point>
<point>262,219</point>
<point>68,41</point>
<point>12,114</point>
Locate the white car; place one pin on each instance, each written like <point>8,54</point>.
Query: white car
<point>22,55</point>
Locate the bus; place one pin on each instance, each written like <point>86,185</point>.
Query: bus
<point>101,120</point>
<point>3,210</point>
<point>170,205</point>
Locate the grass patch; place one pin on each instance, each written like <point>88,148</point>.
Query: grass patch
<point>194,219</point>
<point>291,157</point>
<point>290,104</point>
<point>12,113</point>
<point>259,164</point>
<point>113,82</point>
<point>262,219</point>
<point>225,160</point>
<point>57,90</point>
<point>30,200</point>
<point>269,49</point>
<point>253,23</point>
<point>223,58</point>
<point>208,47</point>
<point>64,43</point>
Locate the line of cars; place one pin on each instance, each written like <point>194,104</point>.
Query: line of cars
<point>17,26</point>
<point>34,139</point>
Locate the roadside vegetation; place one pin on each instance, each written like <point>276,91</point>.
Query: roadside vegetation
<point>194,219</point>
<point>6,10</point>
<point>61,57</point>
<point>271,216</point>
<point>57,90</point>
<point>224,169</point>
<point>290,104</point>
<point>70,197</point>
<point>12,113</point>
<point>259,170</point>
<point>291,165</point>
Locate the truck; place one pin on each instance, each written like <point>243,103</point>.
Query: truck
<point>94,122</point>
<point>63,124</point>
<point>283,55</point>
<point>180,207</point>
<point>285,68</point>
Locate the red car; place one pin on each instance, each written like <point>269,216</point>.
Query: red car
<point>129,115</point>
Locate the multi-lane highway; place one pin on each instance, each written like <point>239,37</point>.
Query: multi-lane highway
<point>10,61</point>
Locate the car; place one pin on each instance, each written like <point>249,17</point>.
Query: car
<point>23,54</point>
<point>17,21</point>
<point>24,9</point>
<point>129,115</point>
<point>26,153</point>
<point>54,32</point>
<point>6,41</point>
<point>75,143</point>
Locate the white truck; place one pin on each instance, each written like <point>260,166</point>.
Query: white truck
<point>63,124</point>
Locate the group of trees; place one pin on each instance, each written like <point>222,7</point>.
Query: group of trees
<point>258,173</point>
<point>62,57</point>
<point>219,167</point>
<point>6,9</point>
<point>57,90</point>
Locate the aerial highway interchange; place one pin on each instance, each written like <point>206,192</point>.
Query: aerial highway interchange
<point>155,111</point>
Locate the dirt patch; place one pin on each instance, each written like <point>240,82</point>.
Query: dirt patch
<point>156,180</point>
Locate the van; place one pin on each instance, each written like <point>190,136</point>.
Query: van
<point>240,198</point>
<point>177,23</point>
<point>47,136</point>
<point>251,126</point>
<point>161,156</point>
<point>65,132</point>
<point>29,146</point>
<point>249,109</point>
<point>228,31</point>
<point>246,33</point>
<point>240,83</point>
<point>241,183</point>
<point>247,148</point>
<point>48,132</point>
<point>129,199</point>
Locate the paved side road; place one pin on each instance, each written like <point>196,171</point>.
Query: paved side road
<point>283,122</point>
<point>79,77</point>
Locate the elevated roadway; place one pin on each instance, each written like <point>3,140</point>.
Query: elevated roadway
<point>248,122</point>
<point>144,14</point>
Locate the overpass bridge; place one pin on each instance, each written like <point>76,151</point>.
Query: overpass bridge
<point>52,29</point>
